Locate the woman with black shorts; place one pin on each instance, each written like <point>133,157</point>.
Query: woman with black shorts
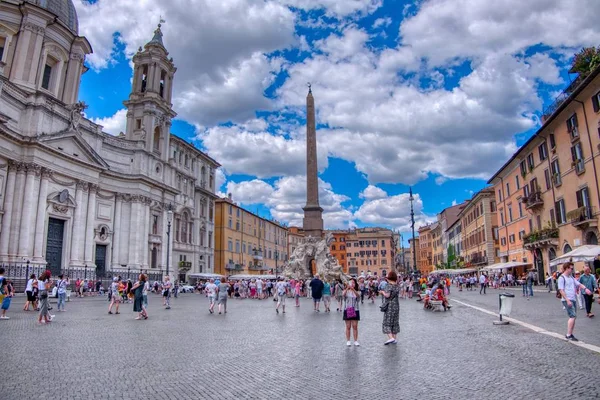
<point>351,314</point>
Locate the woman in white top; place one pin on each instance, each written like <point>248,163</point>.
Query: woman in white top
<point>29,292</point>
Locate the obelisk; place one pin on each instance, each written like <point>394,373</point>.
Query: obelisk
<point>313,213</point>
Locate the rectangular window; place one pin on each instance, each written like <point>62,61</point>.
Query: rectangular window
<point>237,247</point>
<point>383,243</point>
<point>543,150</point>
<point>237,226</point>
<point>577,157</point>
<point>230,210</point>
<point>552,141</point>
<point>511,238</point>
<point>209,239</point>
<point>493,206</point>
<point>556,178</point>
<point>501,217</point>
<point>547,178</point>
<point>507,189</point>
<point>561,214</point>
<point>583,202</point>
<point>499,194</point>
<point>520,210</point>
<point>46,77</point>
<point>526,191</point>
<point>503,241</point>
<point>595,99</point>
<point>138,124</point>
<point>229,245</point>
<point>572,126</point>
<point>518,184</point>
<point>510,217</point>
<point>523,166</point>
<point>2,45</point>
<point>530,162</point>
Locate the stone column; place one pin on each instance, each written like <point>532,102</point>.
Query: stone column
<point>40,223</point>
<point>145,232</point>
<point>133,231</point>
<point>7,208</point>
<point>117,231</point>
<point>28,221</point>
<point>91,219</point>
<point>15,226</point>
<point>77,224</point>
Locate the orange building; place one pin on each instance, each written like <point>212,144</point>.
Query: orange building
<point>370,250</point>
<point>548,192</point>
<point>479,220</point>
<point>338,248</point>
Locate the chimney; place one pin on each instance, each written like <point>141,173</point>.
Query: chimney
<point>229,196</point>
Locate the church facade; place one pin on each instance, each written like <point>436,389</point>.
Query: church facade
<point>73,196</point>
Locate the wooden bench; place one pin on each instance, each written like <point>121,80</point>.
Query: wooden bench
<point>436,305</point>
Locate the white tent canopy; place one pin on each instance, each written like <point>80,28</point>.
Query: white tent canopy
<point>205,276</point>
<point>506,265</point>
<point>244,276</point>
<point>585,253</point>
<point>453,271</point>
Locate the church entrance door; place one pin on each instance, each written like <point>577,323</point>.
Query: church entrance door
<point>54,245</point>
<point>100,261</point>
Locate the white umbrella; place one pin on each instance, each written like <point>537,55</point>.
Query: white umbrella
<point>583,253</point>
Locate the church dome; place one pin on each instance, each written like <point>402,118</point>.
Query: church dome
<point>63,9</point>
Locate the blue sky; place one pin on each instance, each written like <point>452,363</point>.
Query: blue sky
<point>435,94</point>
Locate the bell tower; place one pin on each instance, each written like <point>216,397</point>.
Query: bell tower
<point>149,108</point>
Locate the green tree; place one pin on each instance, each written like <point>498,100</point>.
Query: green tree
<point>587,60</point>
<point>451,255</point>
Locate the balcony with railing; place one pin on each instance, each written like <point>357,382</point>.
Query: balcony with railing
<point>541,238</point>
<point>533,201</point>
<point>234,267</point>
<point>583,217</point>
<point>560,99</point>
<point>257,255</point>
<point>477,260</point>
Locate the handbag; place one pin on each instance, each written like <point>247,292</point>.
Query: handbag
<point>384,307</point>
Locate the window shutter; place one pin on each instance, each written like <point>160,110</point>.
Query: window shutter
<point>569,125</point>
<point>596,102</point>
<point>573,153</point>
<point>575,120</point>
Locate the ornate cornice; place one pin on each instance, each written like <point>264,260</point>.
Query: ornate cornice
<point>93,188</point>
<point>81,185</point>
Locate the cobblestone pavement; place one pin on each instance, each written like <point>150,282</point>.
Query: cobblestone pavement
<point>252,353</point>
<point>543,310</point>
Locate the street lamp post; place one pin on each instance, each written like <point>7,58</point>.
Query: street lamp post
<point>169,220</point>
<point>85,276</point>
<point>276,257</point>
<point>412,226</point>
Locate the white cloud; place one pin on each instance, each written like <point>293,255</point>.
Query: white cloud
<point>336,8</point>
<point>446,30</point>
<point>382,22</point>
<point>393,212</point>
<point>454,202</point>
<point>218,47</point>
<point>440,180</point>
<point>286,197</point>
<point>372,193</point>
<point>114,124</point>
<point>260,154</point>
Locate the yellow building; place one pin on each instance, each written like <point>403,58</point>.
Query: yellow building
<point>246,243</point>
<point>479,222</point>
<point>370,250</point>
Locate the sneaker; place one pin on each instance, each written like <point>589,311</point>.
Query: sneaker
<point>572,338</point>
<point>4,317</point>
<point>277,311</point>
<point>348,343</point>
<point>110,312</point>
<point>389,341</point>
<point>356,343</point>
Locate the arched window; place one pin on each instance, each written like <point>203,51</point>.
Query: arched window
<point>163,78</point>
<point>551,254</point>
<point>144,78</point>
<point>333,247</point>
<point>567,248</point>
<point>156,139</point>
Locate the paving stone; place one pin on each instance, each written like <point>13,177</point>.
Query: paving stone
<point>253,353</point>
